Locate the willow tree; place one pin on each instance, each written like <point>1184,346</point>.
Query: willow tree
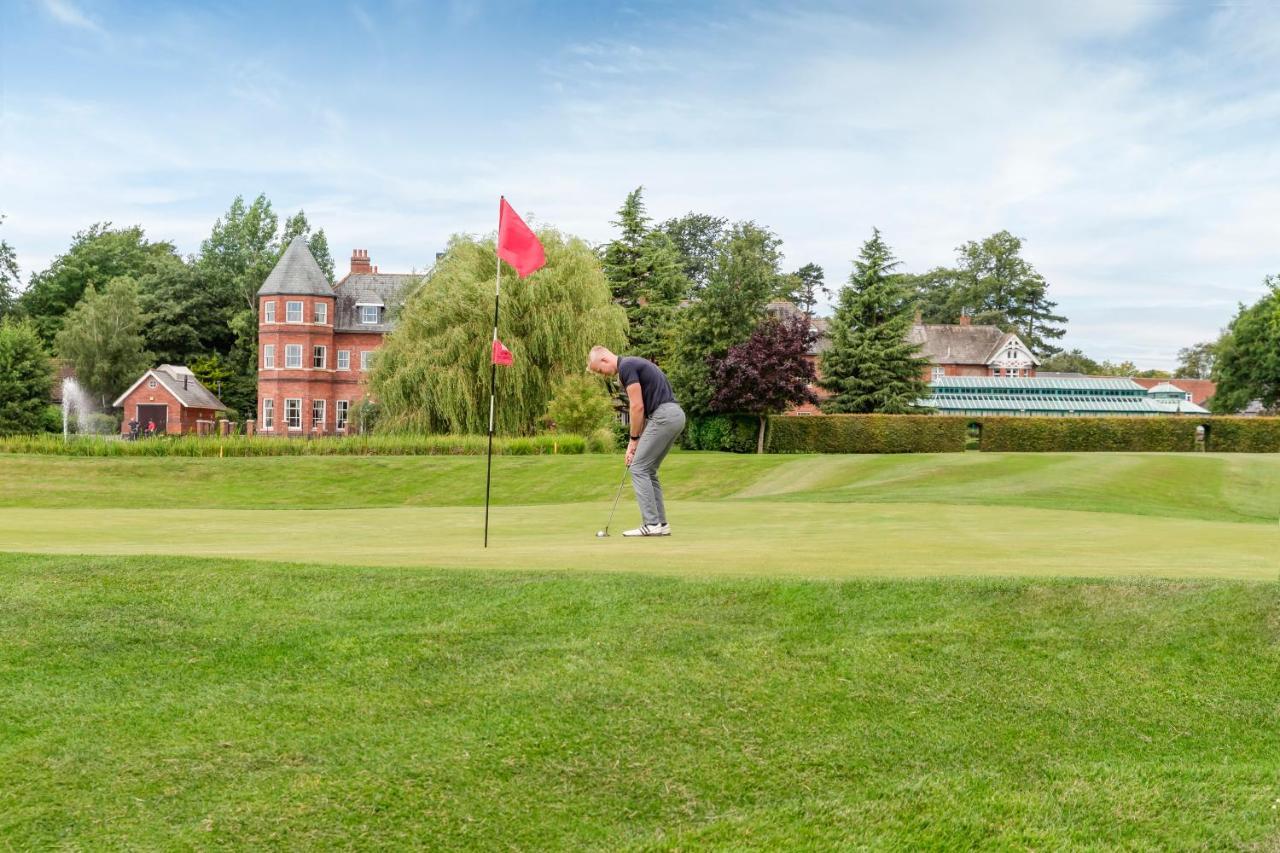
<point>432,373</point>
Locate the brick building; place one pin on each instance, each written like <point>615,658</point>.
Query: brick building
<point>172,398</point>
<point>316,341</point>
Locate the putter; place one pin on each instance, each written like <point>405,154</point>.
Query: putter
<point>601,534</point>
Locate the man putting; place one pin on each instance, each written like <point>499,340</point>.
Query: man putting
<point>656,421</point>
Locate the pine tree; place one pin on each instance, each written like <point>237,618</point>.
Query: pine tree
<point>871,366</point>
<point>646,279</point>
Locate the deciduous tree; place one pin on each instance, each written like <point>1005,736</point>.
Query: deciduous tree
<point>1247,366</point>
<point>432,373</point>
<point>726,311</point>
<point>9,279</point>
<point>102,339</point>
<point>766,374</point>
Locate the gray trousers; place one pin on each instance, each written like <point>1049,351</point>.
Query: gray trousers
<point>661,429</point>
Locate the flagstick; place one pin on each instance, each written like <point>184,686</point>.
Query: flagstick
<point>493,374</point>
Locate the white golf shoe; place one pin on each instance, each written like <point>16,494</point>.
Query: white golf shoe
<point>649,530</point>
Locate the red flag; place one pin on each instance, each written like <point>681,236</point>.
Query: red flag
<point>517,245</point>
<point>502,355</point>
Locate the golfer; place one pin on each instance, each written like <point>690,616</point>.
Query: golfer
<point>656,421</point>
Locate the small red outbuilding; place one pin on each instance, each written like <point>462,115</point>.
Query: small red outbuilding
<point>172,398</point>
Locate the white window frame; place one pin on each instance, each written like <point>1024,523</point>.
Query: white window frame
<point>151,383</point>
<point>320,313</point>
<point>296,414</point>
<point>293,356</point>
<point>268,414</point>
<point>322,353</point>
<point>364,315</point>
<point>269,311</point>
<point>323,411</point>
<point>364,360</point>
<point>939,373</point>
<point>290,315</point>
<point>344,359</point>
<point>343,412</point>
<point>268,356</point>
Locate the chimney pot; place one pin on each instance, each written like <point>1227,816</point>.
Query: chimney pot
<point>966,320</point>
<point>360,262</point>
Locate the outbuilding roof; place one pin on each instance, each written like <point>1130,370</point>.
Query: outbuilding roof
<point>180,382</point>
<point>296,274</point>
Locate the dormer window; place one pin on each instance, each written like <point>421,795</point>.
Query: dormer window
<point>369,314</point>
<point>293,312</point>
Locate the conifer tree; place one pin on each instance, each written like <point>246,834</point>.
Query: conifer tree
<point>646,278</point>
<point>26,376</point>
<point>871,366</point>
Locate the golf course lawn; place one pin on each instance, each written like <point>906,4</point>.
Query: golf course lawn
<point>1004,651</point>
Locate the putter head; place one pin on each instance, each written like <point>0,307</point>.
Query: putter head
<point>600,534</point>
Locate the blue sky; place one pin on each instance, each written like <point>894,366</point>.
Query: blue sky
<point>1135,146</point>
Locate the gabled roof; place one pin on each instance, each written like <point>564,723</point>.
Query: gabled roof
<point>182,384</point>
<point>296,274</point>
<point>946,343</point>
<point>385,289</point>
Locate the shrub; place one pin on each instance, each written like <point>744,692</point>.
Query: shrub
<point>376,445</point>
<point>1010,434</point>
<point>727,433</point>
<point>603,440</point>
<point>1243,435</point>
<point>867,434</point>
<point>51,419</point>
<point>580,404</point>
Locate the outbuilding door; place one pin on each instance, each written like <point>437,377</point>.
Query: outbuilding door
<point>159,414</point>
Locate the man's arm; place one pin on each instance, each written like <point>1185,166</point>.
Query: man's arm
<point>637,417</point>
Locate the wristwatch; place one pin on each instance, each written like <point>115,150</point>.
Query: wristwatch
<point>634,437</point>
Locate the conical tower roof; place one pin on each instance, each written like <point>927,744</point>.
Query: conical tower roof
<point>296,274</point>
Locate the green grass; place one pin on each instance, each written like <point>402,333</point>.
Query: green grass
<point>807,516</point>
<point>812,662</point>
<point>157,703</point>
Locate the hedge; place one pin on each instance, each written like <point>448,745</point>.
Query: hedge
<point>1243,435</point>
<point>867,434</point>
<point>375,445</point>
<point>726,433</point>
<point>1013,434</point>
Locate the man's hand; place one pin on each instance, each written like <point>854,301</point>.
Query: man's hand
<point>631,451</point>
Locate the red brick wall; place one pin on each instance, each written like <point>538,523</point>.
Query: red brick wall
<point>178,420</point>
<point>307,383</point>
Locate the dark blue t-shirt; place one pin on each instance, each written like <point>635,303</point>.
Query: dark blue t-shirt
<point>654,387</point>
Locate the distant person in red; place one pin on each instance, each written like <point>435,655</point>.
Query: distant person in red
<point>151,427</point>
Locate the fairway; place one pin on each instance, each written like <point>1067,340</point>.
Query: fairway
<point>805,516</point>
<point>914,652</point>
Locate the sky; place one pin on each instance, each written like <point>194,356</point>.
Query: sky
<point>1134,146</point>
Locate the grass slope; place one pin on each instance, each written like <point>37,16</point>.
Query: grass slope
<point>816,516</point>
<point>1214,487</point>
<point>158,703</point>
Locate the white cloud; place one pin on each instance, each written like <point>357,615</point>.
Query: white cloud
<point>65,12</point>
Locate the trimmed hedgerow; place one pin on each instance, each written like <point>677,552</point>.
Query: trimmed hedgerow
<point>1048,434</point>
<point>867,434</point>
<point>726,433</point>
<point>374,445</point>
<point>1243,435</point>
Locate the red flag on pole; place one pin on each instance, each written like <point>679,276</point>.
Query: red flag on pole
<point>502,355</point>
<point>517,244</point>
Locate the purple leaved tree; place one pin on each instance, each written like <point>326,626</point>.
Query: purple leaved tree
<point>767,373</point>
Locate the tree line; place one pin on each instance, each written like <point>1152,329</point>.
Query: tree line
<point>116,303</point>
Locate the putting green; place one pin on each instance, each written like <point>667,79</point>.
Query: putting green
<point>784,538</point>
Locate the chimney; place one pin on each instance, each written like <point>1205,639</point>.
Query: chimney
<point>184,382</point>
<point>360,262</point>
<point>966,320</point>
